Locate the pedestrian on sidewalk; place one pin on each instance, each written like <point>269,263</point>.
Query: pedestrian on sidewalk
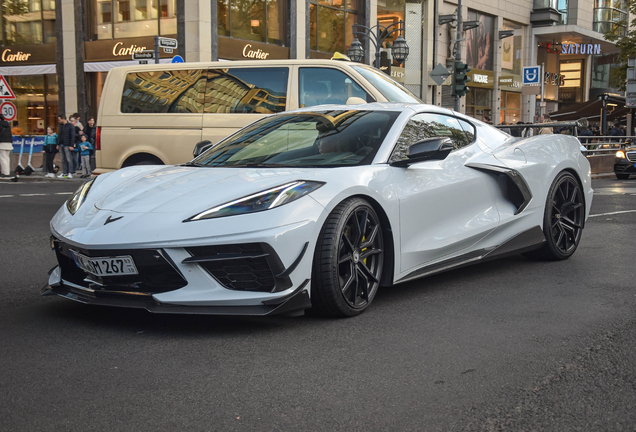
<point>91,132</point>
<point>66,143</point>
<point>85,149</point>
<point>50,150</point>
<point>75,153</point>
<point>6,146</point>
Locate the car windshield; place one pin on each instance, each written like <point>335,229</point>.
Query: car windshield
<point>391,90</point>
<point>309,139</point>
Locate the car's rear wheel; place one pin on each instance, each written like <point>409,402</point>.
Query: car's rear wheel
<point>563,219</point>
<point>348,260</point>
<point>622,176</point>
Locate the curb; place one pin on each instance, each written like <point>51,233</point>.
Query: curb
<point>40,177</point>
<point>603,176</point>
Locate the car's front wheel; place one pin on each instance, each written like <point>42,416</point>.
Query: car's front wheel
<point>348,260</point>
<point>563,219</point>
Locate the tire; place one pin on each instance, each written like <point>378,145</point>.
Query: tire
<point>562,220</point>
<point>348,260</point>
<point>622,176</point>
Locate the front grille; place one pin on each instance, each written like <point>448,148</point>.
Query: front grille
<point>242,267</point>
<point>631,156</point>
<point>156,274</point>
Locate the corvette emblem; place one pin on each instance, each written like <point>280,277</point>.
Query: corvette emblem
<point>112,219</point>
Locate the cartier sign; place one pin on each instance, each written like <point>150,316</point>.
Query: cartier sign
<point>118,49</point>
<point>259,54</point>
<point>237,49</point>
<point>28,54</point>
<point>19,56</point>
<point>121,50</point>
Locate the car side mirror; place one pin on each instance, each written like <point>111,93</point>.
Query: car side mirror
<point>353,100</point>
<point>200,147</point>
<point>426,149</point>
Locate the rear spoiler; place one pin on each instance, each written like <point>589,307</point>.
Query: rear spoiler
<point>575,125</point>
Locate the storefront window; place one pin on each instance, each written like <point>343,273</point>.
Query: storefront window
<point>602,68</point>
<point>479,104</point>
<point>36,102</point>
<point>330,24</point>
<point>258,20</point>
<point>512,50</point>
<point>572,88</point>
<point>390,12</point>
<point>479,41</point>
<point>510,107</point>
<point>115,19</point>
<point>28,21</point>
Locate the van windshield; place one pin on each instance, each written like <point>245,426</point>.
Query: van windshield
<point>309,139</point>
<point>390,89</point>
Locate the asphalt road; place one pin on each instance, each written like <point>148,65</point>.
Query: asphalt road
<point>512,344</point>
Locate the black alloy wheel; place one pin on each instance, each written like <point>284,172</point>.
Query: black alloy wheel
<point>348,260</point>
<point>563,219</point>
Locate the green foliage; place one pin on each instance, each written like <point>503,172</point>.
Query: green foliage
<point>626,42</point>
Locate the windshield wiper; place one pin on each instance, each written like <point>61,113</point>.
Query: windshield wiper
<point>192,164</point>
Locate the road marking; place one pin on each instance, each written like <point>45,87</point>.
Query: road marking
<point>613,213</point>
<point>64,193</point>
<point>6,196</point>
<point>33,194</point>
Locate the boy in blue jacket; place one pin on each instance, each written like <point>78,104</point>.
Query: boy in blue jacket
<point>85,148</point>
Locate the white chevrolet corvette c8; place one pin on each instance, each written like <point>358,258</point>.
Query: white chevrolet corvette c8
<point>319,208</point>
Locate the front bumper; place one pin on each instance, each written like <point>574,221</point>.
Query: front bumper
<point>624,167</point>
<point>293,303</point>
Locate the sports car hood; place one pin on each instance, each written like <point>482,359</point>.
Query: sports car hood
<point>176,189</point>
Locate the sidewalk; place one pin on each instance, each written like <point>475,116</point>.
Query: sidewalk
<point>39,176</point>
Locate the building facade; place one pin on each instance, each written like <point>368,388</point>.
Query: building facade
<point>56,53</point>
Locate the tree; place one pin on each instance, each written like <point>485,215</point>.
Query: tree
<point>625,38</point>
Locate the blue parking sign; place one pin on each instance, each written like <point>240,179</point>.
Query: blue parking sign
<point>531,75</point>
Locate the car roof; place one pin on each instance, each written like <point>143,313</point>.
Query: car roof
<point>243,63</point>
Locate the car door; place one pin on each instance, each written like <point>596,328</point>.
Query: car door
<point>445,207</point>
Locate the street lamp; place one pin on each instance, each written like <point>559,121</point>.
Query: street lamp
<point>377,34</point>
<point>356,52</point>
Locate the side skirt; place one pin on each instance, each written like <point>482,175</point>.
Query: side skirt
<point>523,242</point>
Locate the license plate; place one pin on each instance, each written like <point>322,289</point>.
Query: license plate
<point>106,266</point>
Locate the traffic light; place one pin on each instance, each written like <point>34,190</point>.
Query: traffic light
<point>460,78</point>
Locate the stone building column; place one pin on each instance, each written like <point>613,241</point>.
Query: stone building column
<point>198,30</point>
<point>66,59</point>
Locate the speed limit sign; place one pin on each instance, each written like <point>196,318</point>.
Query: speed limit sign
<point>8,111</point>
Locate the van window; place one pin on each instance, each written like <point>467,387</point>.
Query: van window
<point>320,86</point>
<point>185,87</point>
<point>246,90</point>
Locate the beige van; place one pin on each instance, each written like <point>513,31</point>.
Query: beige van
<point>157,114</point>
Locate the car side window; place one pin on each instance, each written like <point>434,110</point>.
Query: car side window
<point>429,125</point>
<point>469,130</point>
<point>170,91</point>
<point>318,86</point>
<point>246,90</point>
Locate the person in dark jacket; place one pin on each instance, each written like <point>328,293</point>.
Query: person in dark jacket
<point>76,151</point>
<point>6,145</point>
<point>91,132</point>
<point>66,144</point>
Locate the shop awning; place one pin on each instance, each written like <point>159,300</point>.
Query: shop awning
<point>28,70</point>
<point>592,110</point>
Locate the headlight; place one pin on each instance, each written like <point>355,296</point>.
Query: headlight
<point>74,202</point>
<point>620,154</point>
<point>265,200</point>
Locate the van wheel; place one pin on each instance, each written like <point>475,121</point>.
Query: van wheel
<point>142,159</point>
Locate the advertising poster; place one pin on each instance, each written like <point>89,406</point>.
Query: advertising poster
<point>479,53</point>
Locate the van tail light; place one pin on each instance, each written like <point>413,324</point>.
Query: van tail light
<point>98,138</point>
